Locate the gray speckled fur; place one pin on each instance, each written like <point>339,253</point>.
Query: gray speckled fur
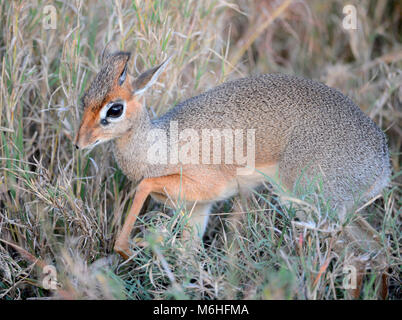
<point>301,124</point>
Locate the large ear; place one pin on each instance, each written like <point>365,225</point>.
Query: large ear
<point>148,78</point>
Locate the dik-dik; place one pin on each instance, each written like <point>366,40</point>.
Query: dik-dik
<point>302,128</point>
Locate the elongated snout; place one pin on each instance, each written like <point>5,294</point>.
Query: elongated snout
<point>84,139</point>
<point>75,142</point>
<point>89,133</point>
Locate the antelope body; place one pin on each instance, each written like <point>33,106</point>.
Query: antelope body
<point>302,129</point>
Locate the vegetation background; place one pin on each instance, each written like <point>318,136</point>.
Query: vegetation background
<point>63,208</point>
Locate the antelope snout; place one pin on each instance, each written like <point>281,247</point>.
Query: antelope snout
<point>76,142</point>
<point>82,141</point>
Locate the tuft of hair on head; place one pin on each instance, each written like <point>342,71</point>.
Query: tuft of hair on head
<point>112,73</point>
<point>109,49</point>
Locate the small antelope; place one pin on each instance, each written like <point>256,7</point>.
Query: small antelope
<point>302,127</point>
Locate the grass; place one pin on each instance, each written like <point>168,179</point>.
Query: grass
<point>63,208</point>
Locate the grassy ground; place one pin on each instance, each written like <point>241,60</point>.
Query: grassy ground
<point>62,207</point>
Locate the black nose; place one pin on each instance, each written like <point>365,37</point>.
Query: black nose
<point>76,146</point>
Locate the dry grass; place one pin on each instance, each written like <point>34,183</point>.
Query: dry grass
<point>62,207</point>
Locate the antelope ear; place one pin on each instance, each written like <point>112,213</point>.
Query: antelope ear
<point>148,78</point>
<point>123,74</point>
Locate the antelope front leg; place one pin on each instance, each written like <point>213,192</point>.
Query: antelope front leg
<point>178,187</point>
<point>122,243</point>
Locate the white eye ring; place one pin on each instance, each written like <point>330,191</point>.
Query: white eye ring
<point>105,109</point>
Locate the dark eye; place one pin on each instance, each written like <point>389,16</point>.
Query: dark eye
<point>115,111</point>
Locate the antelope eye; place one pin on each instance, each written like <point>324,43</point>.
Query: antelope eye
<point>115,111</point>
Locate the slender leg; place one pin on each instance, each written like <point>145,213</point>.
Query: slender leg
<point>384,286</point>
<point>198,220</point>
<point>176,187</point>
<point>241,204</point>
<point>122,243</point>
